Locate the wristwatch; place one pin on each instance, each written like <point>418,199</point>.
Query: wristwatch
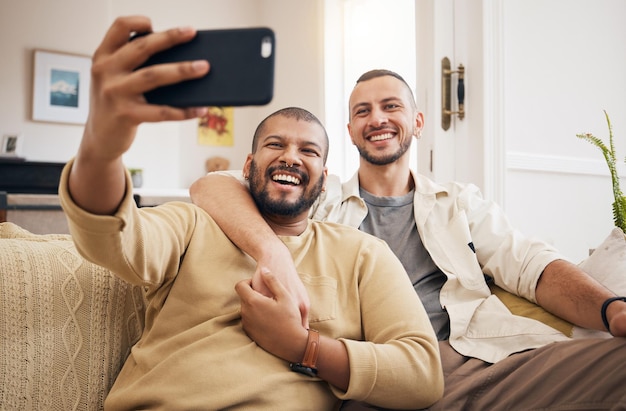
<point>308,364</point>
<point>605,320</point>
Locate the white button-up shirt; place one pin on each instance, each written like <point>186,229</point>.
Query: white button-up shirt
<point>467,237</point>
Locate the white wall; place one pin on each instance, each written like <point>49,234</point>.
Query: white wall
<point>168,152</point>
<point>564,63</point>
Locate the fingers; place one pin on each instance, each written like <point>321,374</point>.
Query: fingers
<point>136,52</point>
<point>117,56</point>
<point>273,285</point>
<point>294,288</point>
<point>244,289</point>
<point>139,50</point>
<point>153,113</point>
<point>119,33</point>
<point>117,92</point>
<point>258,283</point>
<point>151,77</point>
<point>276,289</point>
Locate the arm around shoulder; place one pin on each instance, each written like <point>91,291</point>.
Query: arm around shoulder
<point>228,201</point>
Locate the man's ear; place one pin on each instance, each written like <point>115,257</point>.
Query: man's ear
<point>246,165</point>
<point>350,132</point>
<point>419,124</point>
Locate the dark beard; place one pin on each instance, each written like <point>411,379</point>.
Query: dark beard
<point>281,206</point>
<point>384,160</point>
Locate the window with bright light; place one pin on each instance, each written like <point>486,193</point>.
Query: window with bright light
<point>361,35</point>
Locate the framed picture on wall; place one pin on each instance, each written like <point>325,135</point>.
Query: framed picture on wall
<point>60,87</point>
<point>10,145</point>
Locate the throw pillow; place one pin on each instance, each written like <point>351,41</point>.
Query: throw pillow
<point>66,325</point>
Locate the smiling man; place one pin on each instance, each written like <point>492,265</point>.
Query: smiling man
<point>288,174</point>
<point>390,140</point>
<point>211,341</point>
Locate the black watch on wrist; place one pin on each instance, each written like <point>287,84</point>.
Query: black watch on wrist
<point>605,320</point>
<point>308,364</point>
<point>301,369</point>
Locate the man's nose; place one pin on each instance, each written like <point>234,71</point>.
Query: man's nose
<point>290,157</point>
<point>378,118</point>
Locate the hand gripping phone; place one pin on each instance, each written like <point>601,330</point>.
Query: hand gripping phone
<point>241,74</point>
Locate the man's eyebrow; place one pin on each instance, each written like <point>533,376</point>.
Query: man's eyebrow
<point>383,101</point>
<point>273,136</point>
<point>391,99</point>
<point>283,138</point>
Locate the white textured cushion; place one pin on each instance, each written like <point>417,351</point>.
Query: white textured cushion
<point>607,264</point>
<point>66,325</point>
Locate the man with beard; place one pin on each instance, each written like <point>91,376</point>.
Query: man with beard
<point>454,245</point>
<point>211,341</point>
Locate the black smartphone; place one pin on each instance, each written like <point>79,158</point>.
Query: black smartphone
<point>241,74</point>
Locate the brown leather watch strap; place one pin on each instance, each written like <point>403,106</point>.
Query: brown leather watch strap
<point>312,349</point>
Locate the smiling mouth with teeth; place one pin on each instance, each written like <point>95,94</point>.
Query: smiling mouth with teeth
<point>286,179</point>
<point>381,137</point>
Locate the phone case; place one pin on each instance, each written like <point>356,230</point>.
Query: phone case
<point>241,74</point>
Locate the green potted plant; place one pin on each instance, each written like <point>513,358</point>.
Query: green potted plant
<point>619,205</point>
<point>137,176</point>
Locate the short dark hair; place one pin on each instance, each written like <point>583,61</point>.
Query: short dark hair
<point>380,73</point>
<point>368,75</point>
<point>291,112</point>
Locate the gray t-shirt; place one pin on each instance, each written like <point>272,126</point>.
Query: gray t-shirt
<point>391,219</point>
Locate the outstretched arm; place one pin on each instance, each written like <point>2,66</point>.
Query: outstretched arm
<point>117,107</point>
<point>230,204</point>
<point>567,291</point>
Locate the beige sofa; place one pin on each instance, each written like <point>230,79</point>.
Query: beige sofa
<point>66,325</point>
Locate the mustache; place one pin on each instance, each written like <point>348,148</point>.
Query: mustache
<point>387,127</point>
<point>304,178</point>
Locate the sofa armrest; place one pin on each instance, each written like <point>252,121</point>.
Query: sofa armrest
<point>66,325</point>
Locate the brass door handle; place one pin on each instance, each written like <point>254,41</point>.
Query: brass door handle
<point>446,93</point>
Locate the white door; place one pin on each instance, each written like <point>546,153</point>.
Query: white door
<point>464,32</point>
<point>537,72</point>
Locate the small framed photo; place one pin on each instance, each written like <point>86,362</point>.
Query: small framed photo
<point>61,87</point>
<point>10,145</point>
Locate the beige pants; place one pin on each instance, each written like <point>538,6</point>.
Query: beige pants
<point>587,374</point>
